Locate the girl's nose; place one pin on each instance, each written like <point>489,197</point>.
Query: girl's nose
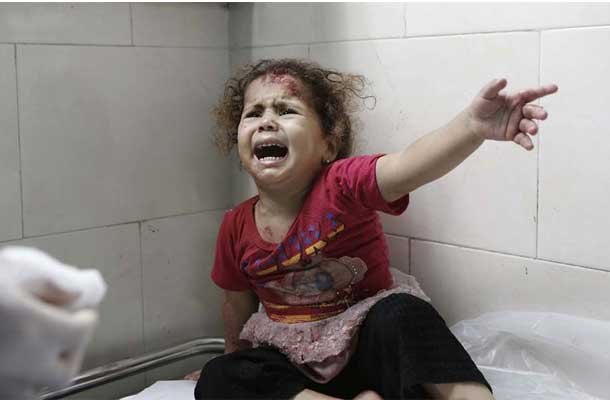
<point>267,123</point>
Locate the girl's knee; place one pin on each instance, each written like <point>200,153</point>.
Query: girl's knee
<point>399,309</point>
<point>210,383</point>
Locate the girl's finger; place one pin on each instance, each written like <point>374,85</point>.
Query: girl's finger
<point>491,90</point>
<point>528,126</point>
<point>532,111</point>
<point>528,95</point>
<point>524,141</point>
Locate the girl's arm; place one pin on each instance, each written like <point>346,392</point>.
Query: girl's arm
<point>491,115</point>
<point>237,307</point>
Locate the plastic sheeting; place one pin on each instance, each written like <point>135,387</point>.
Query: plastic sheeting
<point>539,356</point>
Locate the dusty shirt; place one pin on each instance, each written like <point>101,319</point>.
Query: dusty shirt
<point>334,256</point>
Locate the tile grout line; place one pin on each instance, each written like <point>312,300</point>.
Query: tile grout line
<point>19,139</point>
<point>406,36</point>
<point>404,19</point>
<point>131,22</point>
<point>410,258</point>
<point>399,37</point>
<point>538,149</point>
<point>115,225</point>
<point>154,46</point>
<point>460,246</point>
<point>231,48</point>
<point>495,252</point>
<point>144,347</point>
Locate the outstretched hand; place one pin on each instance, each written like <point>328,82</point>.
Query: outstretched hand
<point>500,116</point>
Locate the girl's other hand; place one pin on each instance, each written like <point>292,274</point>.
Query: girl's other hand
<point>499,116</point>
<point>193,376</point>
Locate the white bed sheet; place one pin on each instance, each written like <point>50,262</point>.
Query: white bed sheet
<point>166,390</point>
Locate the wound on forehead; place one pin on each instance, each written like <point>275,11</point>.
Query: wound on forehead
<point>291,83</point>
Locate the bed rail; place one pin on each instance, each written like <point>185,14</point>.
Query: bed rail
<point>131,366</point>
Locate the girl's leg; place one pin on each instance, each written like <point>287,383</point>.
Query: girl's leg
<point>459,391</point>
<point>308,394</point>
<point>405,350</point>
<point>265,373</point>
<point>260,373</point>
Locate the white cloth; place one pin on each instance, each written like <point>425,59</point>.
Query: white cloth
<point>166,390</point>
<point>47,317</point>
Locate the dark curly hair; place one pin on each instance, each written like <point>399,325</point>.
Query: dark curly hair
<point>333,96</point>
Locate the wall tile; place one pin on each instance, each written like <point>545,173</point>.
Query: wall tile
<point>489,201</point>
<point>112,135</point>
<point>178,254</point>
<point>267,24</point>
<point>180,300</point>
<point>184,24</point>
<point>451,18</point>
<point>465,283</point>
<point>115,252</point>
<point>352,21</point>
<point>399,252</point>
<point>65,23</point>
<point>574,173</point>
<point>243,56</point>
<point>10,200</point>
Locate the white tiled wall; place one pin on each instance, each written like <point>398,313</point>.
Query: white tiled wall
<point>10,187</point>
<point>508,228</point>
<point>353,21</point>
<point>463,283</point>
<point>104,140</point>
<point>180,301</point>
<point>456,18</point>
<point>190,24</point>
<point>114,134</point>
<point>575,157</point>
<point>401,71</point>
<point>103,24</point>
<point>268,24</point>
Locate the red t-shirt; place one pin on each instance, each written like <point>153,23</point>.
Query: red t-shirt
<point>334,254</point>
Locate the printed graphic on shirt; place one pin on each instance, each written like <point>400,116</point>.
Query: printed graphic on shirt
<point>306,284</point>
<point>296,248</point>
<point>320,280</point>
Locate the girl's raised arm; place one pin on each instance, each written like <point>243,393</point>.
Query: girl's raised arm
<point>491,115</point>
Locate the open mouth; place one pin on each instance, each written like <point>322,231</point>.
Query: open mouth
<point>270,152</point>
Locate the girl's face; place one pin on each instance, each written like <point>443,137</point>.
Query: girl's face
<point>280,139</point>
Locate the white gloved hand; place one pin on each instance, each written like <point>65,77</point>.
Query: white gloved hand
<point>47,318</point>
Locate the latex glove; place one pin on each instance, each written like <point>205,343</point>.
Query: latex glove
<point>46,320</point>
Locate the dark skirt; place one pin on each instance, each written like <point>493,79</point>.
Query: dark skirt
<point>403,343</point>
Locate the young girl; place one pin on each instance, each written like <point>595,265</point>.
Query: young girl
<point>334,320</point>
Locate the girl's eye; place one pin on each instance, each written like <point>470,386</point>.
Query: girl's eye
<point>287,111</point>
<point>253,114</point>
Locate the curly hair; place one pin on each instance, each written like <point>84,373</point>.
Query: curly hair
<point>333,95</point>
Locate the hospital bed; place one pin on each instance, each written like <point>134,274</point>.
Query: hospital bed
<point>525,355</point>
<point>122,369</point>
